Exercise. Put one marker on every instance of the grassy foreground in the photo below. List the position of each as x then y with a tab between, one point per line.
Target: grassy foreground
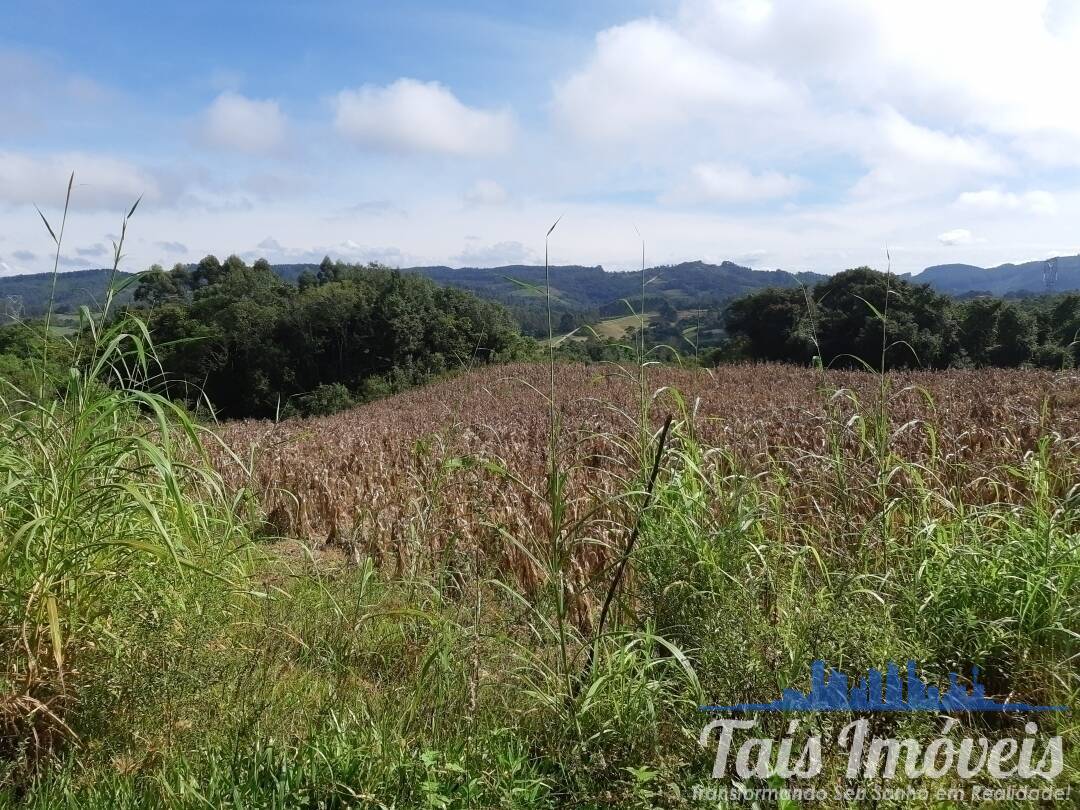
166	645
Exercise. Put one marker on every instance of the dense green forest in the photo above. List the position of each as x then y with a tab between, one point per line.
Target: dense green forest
841	320
254	345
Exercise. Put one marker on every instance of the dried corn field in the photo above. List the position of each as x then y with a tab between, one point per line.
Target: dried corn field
452	623
459	466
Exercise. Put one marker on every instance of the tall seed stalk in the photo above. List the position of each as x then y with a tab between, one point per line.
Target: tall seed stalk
58	241
556	481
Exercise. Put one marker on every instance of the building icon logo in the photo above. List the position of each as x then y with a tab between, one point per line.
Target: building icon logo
830	691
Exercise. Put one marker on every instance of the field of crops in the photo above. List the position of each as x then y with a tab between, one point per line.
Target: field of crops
414	475
448	598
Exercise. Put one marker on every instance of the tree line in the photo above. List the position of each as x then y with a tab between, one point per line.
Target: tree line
255	345
252	344
848	319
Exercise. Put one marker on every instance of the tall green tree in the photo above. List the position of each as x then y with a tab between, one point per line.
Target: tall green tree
768	325
1015	341
854	321
977	329
256	345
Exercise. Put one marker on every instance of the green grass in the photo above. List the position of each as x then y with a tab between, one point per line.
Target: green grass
609	328
342	686
617	328
621	327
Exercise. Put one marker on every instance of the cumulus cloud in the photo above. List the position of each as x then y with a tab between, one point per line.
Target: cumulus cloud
711	182
1004	67
997	200
902	157
100	181
239	124
486	192
957	236
414	116
646	77
921	98
902	137
24	256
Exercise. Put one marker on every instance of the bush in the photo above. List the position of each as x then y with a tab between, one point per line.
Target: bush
1052	357
326	399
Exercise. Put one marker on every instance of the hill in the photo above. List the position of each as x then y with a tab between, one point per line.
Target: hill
581	289
28	296
593	293
1004	279
595	288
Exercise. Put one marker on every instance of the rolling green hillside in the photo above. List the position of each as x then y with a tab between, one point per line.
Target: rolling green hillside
28	296
1003	279
593	292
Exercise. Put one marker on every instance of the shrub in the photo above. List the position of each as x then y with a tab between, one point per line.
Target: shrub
326	399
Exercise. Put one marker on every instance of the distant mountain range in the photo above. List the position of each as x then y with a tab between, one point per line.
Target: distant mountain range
593	288
1028	277
584	288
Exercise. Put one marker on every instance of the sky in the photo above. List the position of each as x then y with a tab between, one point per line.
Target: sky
795	134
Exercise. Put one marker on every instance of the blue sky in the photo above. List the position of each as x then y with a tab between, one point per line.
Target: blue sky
801	134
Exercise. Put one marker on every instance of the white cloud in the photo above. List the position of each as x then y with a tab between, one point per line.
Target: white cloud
1005	66
413	116
958	236
645	78
996	200
239	124
486	192
905	161
932	148
922	98
720	183
100	181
